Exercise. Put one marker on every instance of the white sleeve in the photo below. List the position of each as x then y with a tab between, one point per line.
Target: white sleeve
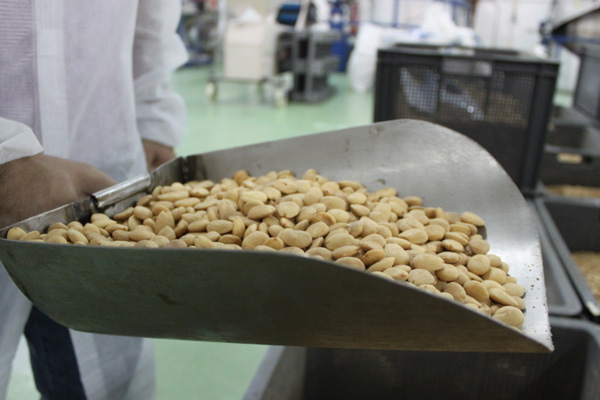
157	52
17	141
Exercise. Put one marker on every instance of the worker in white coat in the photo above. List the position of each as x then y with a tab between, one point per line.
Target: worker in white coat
85	101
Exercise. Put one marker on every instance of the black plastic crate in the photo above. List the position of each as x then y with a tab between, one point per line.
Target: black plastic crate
574	225
587	90
561	296
571	156
571	372
500	98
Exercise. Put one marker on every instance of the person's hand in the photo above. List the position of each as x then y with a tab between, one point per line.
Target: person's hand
157	153
32	185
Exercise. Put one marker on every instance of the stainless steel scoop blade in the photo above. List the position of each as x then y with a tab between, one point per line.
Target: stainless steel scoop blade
255	297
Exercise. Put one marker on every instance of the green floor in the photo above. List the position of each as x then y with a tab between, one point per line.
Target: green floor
216	371
240	116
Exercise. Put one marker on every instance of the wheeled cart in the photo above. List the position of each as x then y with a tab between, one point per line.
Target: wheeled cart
258	54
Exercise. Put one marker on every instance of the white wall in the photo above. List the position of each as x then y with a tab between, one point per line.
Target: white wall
512	24
515	24
264	7
569	71
408	12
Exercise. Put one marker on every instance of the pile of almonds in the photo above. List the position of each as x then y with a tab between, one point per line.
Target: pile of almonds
394	238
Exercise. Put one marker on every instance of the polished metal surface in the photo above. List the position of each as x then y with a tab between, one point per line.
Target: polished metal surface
576	17
122	190
570	372
253	297
577	24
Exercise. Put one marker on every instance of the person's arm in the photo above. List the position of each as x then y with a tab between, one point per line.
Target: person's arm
157	52
31	183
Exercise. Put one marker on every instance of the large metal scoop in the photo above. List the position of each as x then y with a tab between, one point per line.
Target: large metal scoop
254	297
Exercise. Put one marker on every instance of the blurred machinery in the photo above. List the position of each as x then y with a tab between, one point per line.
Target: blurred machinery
202	23
254	52
281	51
575	25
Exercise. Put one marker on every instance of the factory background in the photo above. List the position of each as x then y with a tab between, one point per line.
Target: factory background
521	77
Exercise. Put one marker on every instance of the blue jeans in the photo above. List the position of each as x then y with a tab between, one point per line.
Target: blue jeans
53	361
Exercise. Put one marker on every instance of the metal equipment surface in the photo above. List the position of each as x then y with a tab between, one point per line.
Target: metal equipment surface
573	225
575	24
257	297
570	372
571	155
561	296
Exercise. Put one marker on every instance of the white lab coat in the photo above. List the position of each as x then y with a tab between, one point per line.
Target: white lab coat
86	80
